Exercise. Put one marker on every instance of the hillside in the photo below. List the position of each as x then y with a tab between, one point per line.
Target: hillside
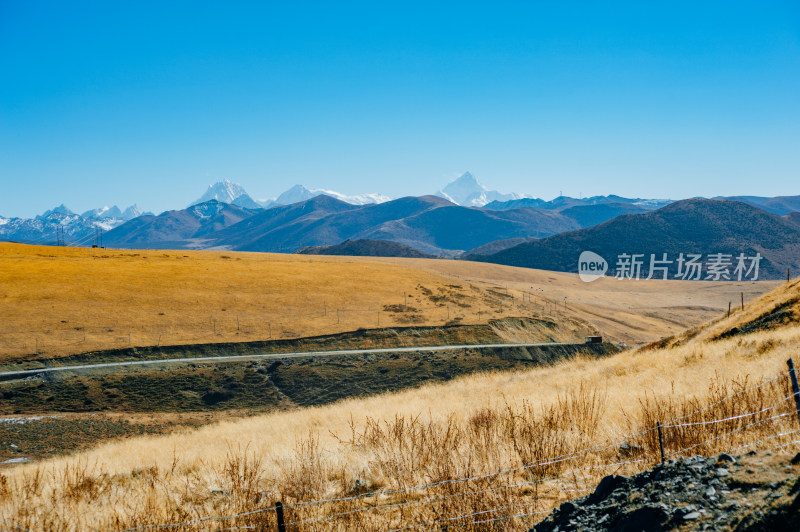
590	215
430	224
508	447
59	301
177	228
690	226
793	218
779	205
366	248
565	202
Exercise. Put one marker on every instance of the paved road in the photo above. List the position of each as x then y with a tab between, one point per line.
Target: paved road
241	358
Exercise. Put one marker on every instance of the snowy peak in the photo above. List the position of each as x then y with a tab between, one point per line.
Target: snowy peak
132	212
103	213
469	192
207	209
61	209
300	193
295	194
225	191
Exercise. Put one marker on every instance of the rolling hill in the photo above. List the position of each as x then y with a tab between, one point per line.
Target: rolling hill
779	205
177	228
793	218
462	445
366	248
430	224
689	227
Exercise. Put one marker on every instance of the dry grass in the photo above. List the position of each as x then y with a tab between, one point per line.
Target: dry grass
472	428
59	301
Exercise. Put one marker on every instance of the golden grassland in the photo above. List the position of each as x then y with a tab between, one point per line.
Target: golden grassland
59	301
471	427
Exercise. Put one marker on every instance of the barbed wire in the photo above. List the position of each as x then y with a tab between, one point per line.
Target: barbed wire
544	462
740	392
460	494
731	418
795	442
15	527
199	520
734	431
772	437
467	516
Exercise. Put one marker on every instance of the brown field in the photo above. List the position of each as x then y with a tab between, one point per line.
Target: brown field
487	438
60	301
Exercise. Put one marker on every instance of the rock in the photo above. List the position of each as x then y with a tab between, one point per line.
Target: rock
688	494
567	507
685	510
607	486
796	459
645	518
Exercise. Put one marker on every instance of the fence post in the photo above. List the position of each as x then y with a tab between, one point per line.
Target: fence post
660	440
279	512
729	309
795	386
742	300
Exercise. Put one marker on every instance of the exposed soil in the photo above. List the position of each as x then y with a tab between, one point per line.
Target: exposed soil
522	329
781	315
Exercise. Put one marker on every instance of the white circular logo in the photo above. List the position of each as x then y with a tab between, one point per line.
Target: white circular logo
591	266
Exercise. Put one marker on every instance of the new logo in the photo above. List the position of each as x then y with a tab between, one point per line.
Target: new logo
591	266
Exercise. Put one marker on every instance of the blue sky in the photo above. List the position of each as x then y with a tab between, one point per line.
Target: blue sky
149	102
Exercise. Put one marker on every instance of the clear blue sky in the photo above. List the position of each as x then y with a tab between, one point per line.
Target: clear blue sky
149	102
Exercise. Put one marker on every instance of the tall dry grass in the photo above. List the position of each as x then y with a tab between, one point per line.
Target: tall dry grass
476	449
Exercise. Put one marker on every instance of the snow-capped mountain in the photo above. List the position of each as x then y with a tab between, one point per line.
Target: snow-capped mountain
233	193
61	209
48	228
227	191
132	212
300	193
103	213
61	223
469	192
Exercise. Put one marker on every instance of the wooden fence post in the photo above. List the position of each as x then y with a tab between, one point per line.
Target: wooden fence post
742	300
279	512
660	440
795	386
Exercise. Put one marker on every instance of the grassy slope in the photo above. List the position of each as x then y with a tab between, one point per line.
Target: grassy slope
472	425
62	301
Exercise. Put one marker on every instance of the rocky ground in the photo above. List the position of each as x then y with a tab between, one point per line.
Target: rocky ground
754	492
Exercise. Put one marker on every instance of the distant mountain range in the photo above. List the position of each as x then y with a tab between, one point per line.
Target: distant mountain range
465	219
467	191
565	202
60	224
177	229
697	226
234	194
429	224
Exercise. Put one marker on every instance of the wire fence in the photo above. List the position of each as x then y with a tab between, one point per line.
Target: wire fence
527	493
